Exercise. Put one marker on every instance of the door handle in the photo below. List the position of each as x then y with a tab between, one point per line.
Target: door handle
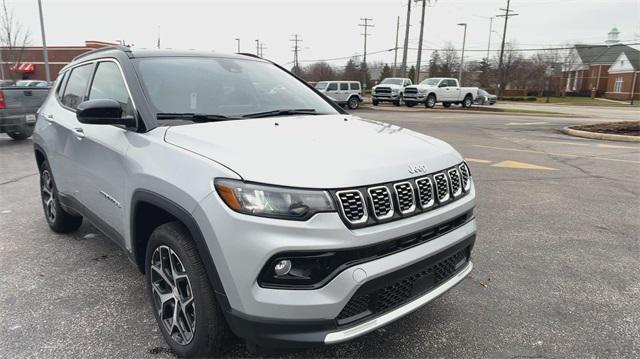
79	132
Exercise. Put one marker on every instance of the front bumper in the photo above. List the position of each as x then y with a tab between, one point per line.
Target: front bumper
385	97
415	97
240	245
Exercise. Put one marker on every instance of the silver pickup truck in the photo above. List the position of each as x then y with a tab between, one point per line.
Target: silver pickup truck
18	107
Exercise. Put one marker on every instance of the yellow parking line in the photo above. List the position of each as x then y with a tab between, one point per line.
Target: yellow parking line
556	154
521	166
476	160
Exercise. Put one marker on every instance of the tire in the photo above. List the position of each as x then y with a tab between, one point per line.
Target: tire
430	102
21	134
467	102
409	103
201	330
59	220
375	102
353	103
446	104
398	101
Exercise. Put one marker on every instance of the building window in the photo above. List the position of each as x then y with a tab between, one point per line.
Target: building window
617	86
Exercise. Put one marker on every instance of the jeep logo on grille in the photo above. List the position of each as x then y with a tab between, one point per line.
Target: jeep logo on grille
415	169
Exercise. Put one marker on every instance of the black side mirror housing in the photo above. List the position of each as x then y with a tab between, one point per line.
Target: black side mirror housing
102	112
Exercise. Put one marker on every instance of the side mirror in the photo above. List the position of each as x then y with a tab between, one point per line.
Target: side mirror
102	112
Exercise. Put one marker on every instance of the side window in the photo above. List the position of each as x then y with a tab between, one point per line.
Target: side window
109	84
332	87
61	83
76	86
355	86
406	83
344	86
452	83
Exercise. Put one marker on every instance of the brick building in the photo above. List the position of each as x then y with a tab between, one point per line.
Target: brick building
28	62
611	70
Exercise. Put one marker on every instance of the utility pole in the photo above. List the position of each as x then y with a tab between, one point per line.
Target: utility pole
501	72
261	48
395	49
45	52
258	48
490	31
296	65
238	41
366	26
403	67
424	5
464	41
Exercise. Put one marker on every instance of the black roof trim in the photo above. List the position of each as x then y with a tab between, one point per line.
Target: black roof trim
125	49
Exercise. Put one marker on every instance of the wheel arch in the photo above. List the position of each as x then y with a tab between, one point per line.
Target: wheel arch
148	211
40	154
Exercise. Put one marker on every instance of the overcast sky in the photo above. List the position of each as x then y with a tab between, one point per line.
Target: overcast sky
328	28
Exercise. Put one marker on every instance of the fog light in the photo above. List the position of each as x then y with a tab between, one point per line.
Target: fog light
283	267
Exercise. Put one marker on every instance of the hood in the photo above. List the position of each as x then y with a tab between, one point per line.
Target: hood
327	151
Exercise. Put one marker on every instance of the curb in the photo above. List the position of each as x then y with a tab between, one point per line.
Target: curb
600	136
471	111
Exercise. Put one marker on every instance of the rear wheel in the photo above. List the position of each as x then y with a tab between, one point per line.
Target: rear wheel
431	101
184	303
467	102
353	103
59	220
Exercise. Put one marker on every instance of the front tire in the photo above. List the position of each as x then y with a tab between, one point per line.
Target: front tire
375	102
409	103
431	101
59	220
446	104
353	103
183	300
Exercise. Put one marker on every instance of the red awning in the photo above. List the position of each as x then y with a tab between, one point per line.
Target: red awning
24	68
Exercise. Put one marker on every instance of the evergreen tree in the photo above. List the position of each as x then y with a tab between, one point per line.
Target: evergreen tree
386	72
351	71
434	64
412	72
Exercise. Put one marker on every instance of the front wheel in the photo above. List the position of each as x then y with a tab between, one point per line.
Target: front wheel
446	104
467	102
183	301
353	103
375	102
409	103
59	220
398	101
430	102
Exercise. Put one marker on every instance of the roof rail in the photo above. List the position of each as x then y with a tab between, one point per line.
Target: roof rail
125	49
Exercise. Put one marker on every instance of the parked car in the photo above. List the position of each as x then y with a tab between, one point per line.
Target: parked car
485	98
32	83
347	93
272	214
445	90
390	89
18	106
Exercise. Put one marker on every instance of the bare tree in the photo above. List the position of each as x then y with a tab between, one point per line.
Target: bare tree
449	60
319	71
13	37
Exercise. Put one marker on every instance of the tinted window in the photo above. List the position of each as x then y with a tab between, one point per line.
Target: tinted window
223	86
322	85
452	83
355	86
344	86
332	87
109	84
76	86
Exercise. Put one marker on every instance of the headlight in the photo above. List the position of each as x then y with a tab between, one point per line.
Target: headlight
272	201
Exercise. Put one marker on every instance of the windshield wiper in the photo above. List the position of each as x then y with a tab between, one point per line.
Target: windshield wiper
195	117
288	112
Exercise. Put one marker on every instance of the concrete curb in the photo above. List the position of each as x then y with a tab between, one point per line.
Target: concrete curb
470	111
600	136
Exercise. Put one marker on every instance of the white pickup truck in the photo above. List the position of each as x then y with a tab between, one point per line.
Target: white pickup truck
437	89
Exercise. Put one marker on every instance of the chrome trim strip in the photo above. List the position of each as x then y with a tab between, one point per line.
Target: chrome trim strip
365	216
413	196
391	211
366	327
460	185
432	201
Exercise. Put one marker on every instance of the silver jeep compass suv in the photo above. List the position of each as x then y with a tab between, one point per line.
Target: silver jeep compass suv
253	204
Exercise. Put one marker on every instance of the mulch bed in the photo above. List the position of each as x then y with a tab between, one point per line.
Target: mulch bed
627	128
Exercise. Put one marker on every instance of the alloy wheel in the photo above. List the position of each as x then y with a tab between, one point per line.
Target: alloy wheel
48	196
172	295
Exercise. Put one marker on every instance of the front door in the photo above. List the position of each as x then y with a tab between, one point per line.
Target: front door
333	91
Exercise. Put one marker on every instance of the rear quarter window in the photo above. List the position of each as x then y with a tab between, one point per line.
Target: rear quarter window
355	86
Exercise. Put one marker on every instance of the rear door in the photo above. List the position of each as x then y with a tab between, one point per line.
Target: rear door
454	90
102	150
343	91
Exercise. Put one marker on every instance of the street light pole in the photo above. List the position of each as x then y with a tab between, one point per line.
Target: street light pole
395	52
417	79
464	41
44	44
238	41
490	31
403	67
257	47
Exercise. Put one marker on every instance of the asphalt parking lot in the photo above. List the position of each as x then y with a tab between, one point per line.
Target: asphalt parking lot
557	269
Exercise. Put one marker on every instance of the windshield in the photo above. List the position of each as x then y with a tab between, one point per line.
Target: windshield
391	82
482	92
321	85
223	86
430	82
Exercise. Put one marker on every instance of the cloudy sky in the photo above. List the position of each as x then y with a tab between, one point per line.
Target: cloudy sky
328	28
